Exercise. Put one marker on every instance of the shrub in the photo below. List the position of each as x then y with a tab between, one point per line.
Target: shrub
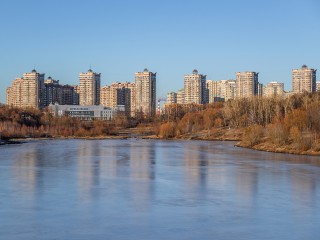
167	130
303	141
213	132
81	133
253	135
306	142
156	129
277	133
218	123
142	128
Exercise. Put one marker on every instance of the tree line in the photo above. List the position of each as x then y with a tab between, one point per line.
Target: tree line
33	123
293	120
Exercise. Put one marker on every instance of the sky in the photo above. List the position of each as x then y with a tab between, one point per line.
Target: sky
172	38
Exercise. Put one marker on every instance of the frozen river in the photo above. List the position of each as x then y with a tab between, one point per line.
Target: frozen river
145	189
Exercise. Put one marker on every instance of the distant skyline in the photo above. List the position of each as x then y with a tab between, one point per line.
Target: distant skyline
118	38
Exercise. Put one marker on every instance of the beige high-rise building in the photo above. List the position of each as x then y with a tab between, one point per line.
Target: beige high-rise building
89	88
274	89
27	91
260	89
132	88
172	97
317	86
246	84
264	91
213	91
180	96
146	92
14	93
195	88
119	94
221	90
105	96
229	90
303	79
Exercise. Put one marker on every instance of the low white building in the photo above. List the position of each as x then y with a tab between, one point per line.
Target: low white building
84	112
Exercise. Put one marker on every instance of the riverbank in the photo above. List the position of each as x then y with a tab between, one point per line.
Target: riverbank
71	137
270	147
222	134
218	135
10	142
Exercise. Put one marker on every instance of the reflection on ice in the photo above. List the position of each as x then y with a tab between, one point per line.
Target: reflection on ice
80	189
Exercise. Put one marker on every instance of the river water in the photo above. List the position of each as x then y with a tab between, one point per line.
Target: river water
153	189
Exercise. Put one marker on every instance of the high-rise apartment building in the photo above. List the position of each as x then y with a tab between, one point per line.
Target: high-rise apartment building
89	88
132	97
195	88
172	97
213	91
119	94
273	89
260	89
146	92
51	87
229	90
105	96
303	79
246	84
14	93
221	90
180	96
76	96
61	94
27	91
318	86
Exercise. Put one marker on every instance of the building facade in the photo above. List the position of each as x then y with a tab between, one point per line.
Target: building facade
260	89
246	84
27	91
61	94
172	97
221	90
89	92
195	88
76	96
213	89
119	94
274	89
180	96
84	112
303	80
229	90
317	86
145	83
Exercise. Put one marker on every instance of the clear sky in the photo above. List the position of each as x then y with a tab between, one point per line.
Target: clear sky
172	38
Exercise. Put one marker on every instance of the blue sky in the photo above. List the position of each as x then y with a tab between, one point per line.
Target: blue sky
171	38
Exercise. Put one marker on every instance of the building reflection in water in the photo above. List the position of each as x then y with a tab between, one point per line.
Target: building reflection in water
26	172
104	165
28	175
88	169
195	164
142	172
247	184
127	167
304	191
